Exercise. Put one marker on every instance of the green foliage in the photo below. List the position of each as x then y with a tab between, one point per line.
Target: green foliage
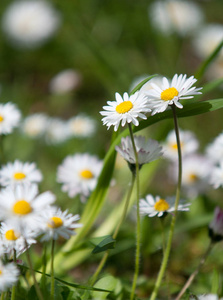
103	244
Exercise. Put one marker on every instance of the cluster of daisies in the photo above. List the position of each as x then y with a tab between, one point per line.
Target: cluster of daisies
26	215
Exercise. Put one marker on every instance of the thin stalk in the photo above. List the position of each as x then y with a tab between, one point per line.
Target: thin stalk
52	271
2	295
194	274
138	235
44	262
105	256
14	287
38	291
173	221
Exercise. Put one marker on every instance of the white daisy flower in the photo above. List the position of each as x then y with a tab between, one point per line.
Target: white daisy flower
35	125
207	39
216	225
215	149
170	16
19	173
9	117
179	88
57	131
22	205
79	174
81	126
216	175
12	239
188	141
207	297
148	150
29	24
195	173
126	109
57	223
65	81
9	275
156	206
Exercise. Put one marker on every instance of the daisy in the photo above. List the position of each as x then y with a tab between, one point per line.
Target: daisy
57	131
216	175
79	173
57	223
171	92
188	141
126	109
156	206
19	173
148	150
182	17
29	24
9	117
12	239
208	297
216	226
22	205
9	275
81	126
35	125
215	149
65	81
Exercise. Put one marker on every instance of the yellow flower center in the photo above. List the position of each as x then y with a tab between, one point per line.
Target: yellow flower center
10	235
169	94
55	222
193	177
0	272
22	207
19	176
86	174
1	118
124	107
174	146
161	205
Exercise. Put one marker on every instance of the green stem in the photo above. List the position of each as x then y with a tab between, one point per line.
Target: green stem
38	291
14	287
194	274
52	271
44	262
2	295
138	235
173	221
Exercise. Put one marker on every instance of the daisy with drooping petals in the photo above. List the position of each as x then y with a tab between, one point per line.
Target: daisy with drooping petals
58	223
148	150
79	174
125	110
9	117
156	206
22	205
170	93
19	173
9	275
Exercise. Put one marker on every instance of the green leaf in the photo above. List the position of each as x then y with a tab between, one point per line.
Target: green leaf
105	243
108	282
138	87
215	282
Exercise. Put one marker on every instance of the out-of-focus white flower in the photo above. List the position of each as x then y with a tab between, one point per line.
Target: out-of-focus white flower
215	149
79	173
216	175
156	206
29	24
188	141
207	297
147	150
8	276
216	226
9	117
22	205
12	239
171	92
81	126
195	174
182	17
19	173
125	110
35	125
207	39
57	131
57	223
65	81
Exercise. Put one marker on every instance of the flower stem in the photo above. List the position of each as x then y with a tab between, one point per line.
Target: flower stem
138	234
38	291
173	221
14	287
44	261
52	270
194	274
